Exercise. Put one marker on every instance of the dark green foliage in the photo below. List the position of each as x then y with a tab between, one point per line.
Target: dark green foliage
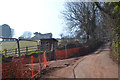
94	44
70	45
116	38
116	48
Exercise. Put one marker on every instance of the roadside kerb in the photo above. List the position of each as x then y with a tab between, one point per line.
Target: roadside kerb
81	59
75	65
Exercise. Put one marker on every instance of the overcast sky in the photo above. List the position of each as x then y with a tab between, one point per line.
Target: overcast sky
32	15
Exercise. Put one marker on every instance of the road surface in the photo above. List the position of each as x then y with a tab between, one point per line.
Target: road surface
97	65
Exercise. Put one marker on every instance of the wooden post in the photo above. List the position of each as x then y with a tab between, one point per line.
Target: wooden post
18	48
6	52
66	51
26	50
16	51
39	63
32	65
38	47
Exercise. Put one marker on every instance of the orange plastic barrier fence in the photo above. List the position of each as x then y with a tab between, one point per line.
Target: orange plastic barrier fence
28	67
32	65
45	60
66	53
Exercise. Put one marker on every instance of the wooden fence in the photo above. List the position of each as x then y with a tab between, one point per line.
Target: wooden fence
23	50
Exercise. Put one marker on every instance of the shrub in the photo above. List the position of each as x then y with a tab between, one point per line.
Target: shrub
94	44
116	48
69	45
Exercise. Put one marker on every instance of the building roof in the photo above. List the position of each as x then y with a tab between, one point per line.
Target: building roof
48	39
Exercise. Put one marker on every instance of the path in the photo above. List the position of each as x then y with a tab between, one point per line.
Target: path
91	66
97	66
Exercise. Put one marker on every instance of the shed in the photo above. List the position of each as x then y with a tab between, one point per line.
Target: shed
49	45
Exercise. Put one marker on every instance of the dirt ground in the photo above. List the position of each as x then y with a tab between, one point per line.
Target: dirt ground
58	65
97	65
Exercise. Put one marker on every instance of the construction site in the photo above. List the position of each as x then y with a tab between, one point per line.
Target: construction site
50	62
65	39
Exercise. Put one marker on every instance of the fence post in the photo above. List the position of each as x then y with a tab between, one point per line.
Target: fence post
38	47
6	52
39	63
26	50
18	44
16	51
32	65
66	52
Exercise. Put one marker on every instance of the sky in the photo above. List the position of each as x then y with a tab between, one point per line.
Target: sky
42	16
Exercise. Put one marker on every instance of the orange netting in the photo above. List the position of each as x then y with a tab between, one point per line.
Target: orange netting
28	67
31	66
66	53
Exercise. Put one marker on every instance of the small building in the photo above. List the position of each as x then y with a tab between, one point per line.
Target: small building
5	31
41	36
49	45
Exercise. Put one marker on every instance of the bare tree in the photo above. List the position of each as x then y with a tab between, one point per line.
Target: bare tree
27	35
81	18
110	18
92	20
12	32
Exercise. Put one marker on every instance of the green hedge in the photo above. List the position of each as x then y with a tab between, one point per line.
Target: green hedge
116	48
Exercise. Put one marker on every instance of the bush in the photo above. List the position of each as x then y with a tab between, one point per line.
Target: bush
70	45
36	52
116	48
3	56
94	44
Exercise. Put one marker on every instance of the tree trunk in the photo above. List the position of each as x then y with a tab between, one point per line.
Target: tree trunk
87	37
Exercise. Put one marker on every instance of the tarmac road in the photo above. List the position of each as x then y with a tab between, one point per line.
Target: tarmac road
91	66
97	66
